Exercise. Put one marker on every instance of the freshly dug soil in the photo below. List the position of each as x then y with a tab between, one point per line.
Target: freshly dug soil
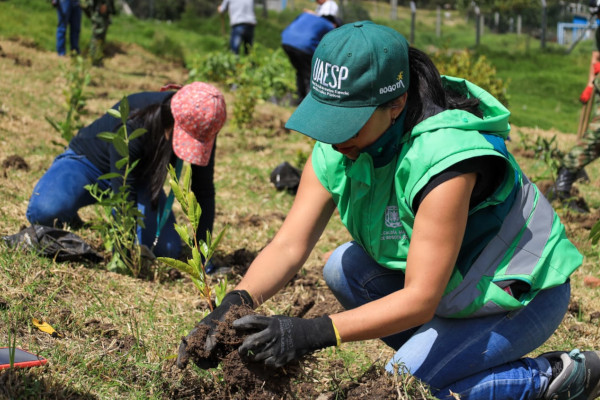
240	379
243	379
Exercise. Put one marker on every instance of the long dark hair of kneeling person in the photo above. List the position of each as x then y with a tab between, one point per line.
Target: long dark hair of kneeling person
158	120
426	94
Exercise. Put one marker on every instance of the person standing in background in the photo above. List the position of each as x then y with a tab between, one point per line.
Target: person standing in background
99	12
327	7
242	21
587	148
69	14
299	41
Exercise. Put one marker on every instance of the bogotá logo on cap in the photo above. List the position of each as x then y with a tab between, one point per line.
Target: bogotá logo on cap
327	78
392	88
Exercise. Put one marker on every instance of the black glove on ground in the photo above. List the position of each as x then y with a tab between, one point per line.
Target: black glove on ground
235	297
282	339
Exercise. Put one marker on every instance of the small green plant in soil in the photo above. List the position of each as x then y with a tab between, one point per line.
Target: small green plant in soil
595	233
545	150
78	78
117	213
202	251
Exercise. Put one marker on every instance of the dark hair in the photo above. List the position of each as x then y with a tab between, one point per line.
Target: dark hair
158	148
426	93
333	19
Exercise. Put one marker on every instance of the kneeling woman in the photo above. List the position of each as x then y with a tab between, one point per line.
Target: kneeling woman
180	125
457	261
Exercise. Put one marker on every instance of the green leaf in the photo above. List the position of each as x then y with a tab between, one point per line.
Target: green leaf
171	172
216	241
134	164
199	283
187	176
178	194
110	175
204	248
122	131
180	265
114	113
106	136
121	146
595	233
53	124
196	256
124	109
193	213
220	290
137	133
122	162
183	233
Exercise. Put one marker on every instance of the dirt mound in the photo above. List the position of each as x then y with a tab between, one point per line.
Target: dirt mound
242	379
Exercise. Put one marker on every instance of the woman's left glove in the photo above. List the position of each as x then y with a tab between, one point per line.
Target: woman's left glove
235	297
282	339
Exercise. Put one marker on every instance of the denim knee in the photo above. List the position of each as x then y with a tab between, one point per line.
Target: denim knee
40	212
45	213
333	272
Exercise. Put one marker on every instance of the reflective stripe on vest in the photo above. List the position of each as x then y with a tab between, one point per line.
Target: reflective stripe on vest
529	222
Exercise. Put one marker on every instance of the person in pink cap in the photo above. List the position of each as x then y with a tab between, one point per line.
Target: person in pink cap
181	125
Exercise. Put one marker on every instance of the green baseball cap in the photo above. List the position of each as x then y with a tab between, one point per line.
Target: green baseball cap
355	68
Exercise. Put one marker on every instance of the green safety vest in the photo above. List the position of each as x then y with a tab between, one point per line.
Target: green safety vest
512	235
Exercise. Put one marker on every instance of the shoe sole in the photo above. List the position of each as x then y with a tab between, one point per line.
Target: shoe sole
596	390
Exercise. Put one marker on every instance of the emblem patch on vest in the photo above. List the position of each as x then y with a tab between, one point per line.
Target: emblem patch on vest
392	220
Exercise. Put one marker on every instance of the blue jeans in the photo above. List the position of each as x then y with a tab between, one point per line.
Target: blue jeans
241	33
60	193
69	14
478	358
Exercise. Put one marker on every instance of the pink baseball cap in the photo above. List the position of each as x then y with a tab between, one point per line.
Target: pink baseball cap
199	113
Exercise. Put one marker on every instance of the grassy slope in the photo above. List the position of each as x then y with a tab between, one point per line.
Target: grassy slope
120	331
543	85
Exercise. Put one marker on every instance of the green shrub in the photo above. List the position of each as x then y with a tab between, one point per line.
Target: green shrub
477	70
218	66
167	47
261	75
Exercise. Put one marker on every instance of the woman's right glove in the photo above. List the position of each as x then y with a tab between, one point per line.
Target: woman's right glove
586	94
235	297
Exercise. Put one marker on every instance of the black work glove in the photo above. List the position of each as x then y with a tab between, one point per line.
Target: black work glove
282	339
235	297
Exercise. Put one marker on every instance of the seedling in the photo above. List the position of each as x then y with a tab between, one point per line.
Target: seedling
77	77
195	266
545	150
118	214
595	233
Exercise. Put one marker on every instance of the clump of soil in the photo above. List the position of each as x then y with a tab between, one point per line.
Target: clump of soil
244	379
16	162
240	379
